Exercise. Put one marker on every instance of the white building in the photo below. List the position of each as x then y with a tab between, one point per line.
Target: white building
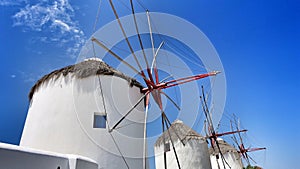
231	156
192	155
71	111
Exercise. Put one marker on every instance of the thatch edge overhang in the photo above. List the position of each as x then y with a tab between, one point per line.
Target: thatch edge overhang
224	146
184	132
82	70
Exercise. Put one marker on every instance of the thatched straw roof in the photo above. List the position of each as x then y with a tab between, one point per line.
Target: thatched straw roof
184	132
84	69
224	146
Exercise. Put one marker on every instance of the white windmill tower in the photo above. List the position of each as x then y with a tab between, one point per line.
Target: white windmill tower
184	147
230	156
72	111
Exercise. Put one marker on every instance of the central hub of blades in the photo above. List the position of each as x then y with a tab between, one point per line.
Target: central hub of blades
155	87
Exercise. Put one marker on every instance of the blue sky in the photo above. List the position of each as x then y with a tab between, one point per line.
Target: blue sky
257	41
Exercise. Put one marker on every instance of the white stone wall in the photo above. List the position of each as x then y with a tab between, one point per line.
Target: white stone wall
232	158
60	119
16	157
194	155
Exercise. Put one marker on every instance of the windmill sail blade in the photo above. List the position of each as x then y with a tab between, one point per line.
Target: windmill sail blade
204	110
234	138
125	36
155	68
139	35
236	144
141	43
255	149
210	126
237	124
151	37
247	158
207	111
241	139
168	97
184	80
155	55
121	60
133	107
230	132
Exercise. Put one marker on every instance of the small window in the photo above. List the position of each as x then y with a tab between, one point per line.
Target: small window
167	147
99	120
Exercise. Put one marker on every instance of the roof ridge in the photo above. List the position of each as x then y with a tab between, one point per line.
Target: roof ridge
84	69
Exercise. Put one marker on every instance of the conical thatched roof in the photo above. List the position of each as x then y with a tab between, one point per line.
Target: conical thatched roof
84	69
184	132
224	146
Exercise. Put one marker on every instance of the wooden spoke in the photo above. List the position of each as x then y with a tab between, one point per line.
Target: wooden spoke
121	60
133	107
173	146
168	97
125	36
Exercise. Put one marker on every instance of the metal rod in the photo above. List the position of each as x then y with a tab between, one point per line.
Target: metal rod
164	140
156	53
145	130
150	31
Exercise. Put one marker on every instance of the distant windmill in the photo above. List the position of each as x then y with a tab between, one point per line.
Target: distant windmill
240	144
212	134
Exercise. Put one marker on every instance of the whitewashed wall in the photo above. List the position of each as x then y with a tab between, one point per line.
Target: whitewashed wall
60	119
16	157
194	155
232	158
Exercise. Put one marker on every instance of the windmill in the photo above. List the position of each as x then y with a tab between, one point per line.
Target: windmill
150	75
242	150
211	133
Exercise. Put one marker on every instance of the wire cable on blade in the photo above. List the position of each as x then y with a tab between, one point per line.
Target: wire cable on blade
125	5
169	43
95	24
119	150
141	4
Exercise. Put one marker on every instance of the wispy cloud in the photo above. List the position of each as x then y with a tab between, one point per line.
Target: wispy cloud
12	2
28	77
56	20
